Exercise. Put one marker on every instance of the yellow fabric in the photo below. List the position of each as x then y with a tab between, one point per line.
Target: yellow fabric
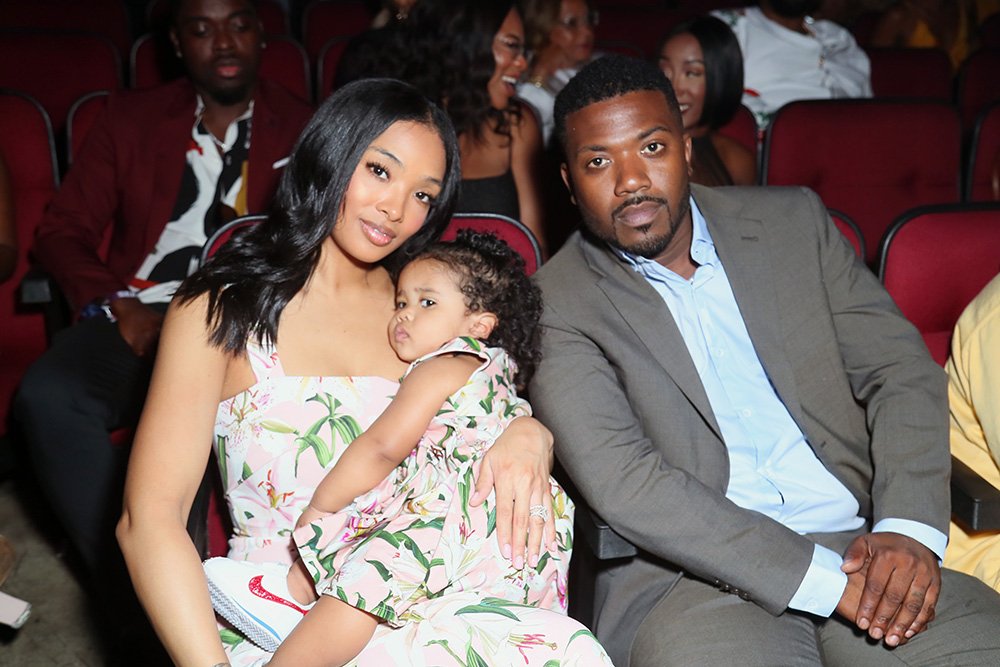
974	402
922	37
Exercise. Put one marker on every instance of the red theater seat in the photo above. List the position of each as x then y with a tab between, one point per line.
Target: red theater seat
58	68
28	150
983	173
871	159
934	260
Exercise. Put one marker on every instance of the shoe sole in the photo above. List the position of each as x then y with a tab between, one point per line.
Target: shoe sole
243	620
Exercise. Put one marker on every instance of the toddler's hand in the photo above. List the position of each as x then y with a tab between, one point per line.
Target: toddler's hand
309	514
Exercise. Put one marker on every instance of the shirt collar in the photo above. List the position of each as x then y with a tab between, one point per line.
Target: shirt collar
702	247
231	135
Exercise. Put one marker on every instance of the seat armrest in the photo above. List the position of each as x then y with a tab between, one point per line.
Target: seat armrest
36	288
38	291
603	541
975	503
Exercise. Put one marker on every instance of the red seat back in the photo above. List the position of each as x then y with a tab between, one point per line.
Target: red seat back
850	230
983	173
225	232
905	72
871	159
978	84
934	260
57	69
28	150
326	66
270	12
323	20
100	17
513	232
82	116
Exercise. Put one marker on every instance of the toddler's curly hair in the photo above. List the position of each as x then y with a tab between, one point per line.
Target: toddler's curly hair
492	278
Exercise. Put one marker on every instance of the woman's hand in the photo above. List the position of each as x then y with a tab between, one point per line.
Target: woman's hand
517	467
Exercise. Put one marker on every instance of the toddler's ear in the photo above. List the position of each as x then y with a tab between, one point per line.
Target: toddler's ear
483	325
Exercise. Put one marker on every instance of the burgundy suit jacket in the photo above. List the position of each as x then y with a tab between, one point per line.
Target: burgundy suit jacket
128	175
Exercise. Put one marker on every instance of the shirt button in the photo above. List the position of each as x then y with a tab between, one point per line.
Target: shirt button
746	413
811	605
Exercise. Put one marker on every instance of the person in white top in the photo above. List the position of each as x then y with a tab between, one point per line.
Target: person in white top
788	56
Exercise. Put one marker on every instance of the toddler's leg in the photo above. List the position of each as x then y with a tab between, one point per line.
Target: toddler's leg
300	584
331	634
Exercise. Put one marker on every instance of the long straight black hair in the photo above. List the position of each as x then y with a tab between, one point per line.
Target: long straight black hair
254	276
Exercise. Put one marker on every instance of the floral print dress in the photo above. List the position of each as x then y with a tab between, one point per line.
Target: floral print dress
412	550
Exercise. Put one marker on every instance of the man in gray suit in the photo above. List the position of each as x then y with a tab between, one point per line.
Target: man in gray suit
735	394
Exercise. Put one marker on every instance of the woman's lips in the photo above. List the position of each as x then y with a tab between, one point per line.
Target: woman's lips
377	235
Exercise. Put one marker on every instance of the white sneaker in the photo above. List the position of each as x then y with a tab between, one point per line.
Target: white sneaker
254	597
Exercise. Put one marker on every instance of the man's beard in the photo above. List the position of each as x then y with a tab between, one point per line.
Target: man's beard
227	97
649	247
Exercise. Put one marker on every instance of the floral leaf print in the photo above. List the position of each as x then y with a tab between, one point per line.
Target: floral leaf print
383	610
220	444
473	659
382	570
247	472
544	558
230	637
443	643
324	453
389	537
581	633
552	663
277	426
491	521
491	606
474	343
433	523
487	402
413	548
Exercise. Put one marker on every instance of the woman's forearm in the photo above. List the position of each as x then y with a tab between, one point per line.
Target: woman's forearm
167	575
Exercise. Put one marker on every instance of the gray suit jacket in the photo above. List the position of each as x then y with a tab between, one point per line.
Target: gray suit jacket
635	431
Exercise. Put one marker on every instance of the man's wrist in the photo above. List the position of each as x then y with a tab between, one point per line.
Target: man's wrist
102	306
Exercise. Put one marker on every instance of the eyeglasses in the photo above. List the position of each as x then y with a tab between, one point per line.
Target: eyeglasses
591	20
515	46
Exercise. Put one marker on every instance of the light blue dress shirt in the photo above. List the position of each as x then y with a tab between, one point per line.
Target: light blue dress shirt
772	469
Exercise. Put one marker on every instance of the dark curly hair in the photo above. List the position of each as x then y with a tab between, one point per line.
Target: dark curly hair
492	278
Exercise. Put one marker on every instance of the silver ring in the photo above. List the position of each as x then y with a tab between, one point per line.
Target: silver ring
541	511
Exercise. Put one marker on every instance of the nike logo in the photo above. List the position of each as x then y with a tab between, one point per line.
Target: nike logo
257	589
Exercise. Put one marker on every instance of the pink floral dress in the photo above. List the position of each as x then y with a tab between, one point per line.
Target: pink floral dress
412	550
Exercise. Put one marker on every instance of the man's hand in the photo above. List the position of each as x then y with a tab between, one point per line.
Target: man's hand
893	583
138	324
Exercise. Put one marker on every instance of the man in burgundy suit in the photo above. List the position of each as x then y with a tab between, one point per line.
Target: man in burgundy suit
162	169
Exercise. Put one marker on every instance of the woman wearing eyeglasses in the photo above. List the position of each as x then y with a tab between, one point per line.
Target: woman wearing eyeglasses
469	55
561	39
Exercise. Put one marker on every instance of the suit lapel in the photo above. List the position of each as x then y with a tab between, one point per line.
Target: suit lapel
643	311
170	147
749	259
